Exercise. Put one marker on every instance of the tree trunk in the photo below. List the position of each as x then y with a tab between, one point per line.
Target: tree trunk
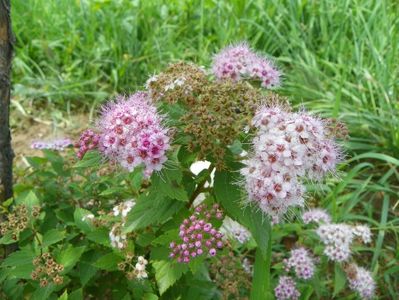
6	153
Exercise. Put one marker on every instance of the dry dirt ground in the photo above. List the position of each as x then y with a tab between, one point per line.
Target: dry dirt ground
25	130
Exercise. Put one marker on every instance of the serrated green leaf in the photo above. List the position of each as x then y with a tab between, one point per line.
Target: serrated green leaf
100	236
79	215
149	210
29	199
91	159
168	183
53	236
167	273
108	262
70	256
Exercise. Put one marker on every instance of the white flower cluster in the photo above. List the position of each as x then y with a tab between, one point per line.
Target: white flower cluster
123	208
287	148
118	240
362	282
235	230
363	232
139	269
316	215
337	239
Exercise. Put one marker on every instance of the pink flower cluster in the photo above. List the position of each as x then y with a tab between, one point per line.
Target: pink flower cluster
198	236
240	62
58	145
88	141
132	133
287	148
362	282
337	239
302	263
316	215
286	289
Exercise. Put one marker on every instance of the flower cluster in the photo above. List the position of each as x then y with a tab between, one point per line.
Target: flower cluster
221	112
131	133
88	141
179	82
240	62
123	208
286	289
235	230
230	276
198	235
58	145
117	238
288	148
18	220
302	263
316	215
47	269
363	232
137	271
361	281
337	239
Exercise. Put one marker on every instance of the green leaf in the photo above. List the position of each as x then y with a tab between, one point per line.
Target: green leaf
30	199
79	215
64	296
91	158
229	195
43	292
151	210
168	183
167	273
339	279
70	256
7	239
53	236
76	295
100	236
108	262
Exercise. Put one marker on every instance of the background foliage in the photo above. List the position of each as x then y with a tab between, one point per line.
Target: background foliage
340	59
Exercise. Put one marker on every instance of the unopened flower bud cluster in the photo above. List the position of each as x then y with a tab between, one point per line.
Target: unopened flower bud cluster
88	141
47	270
198	236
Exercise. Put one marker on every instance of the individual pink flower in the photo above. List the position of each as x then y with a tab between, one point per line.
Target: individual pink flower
132	133
240	62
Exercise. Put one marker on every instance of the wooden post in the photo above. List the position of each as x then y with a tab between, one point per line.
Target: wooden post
6	50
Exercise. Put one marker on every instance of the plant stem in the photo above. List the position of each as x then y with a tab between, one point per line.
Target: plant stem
261	278
200	187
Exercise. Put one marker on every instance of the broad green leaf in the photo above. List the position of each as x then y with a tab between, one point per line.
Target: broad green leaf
30	199
64	295
100	236
81	220
151	210
229	195
70	256
108	262
76	295
52	236
167	273
168	183
91	159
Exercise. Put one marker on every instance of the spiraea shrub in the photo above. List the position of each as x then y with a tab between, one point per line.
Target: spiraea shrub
195	187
